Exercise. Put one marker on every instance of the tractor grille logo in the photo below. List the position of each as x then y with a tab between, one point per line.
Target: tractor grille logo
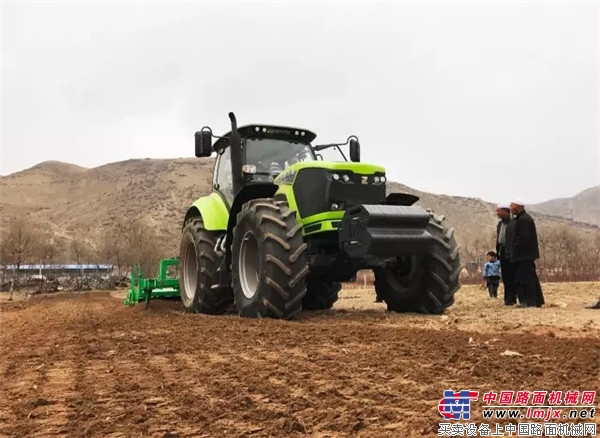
277	131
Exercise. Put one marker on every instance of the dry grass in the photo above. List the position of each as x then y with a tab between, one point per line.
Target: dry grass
70	199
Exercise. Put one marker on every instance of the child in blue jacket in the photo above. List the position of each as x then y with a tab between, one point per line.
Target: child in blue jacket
491	274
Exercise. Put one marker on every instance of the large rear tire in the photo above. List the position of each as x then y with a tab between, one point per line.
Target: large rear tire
425	284
268	262
321	295
197	272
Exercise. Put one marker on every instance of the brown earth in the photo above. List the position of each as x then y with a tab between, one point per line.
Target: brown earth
83	365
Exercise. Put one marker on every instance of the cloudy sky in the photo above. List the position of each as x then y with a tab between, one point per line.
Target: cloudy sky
484	99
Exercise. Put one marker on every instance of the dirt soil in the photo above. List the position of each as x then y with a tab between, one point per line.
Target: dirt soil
83	364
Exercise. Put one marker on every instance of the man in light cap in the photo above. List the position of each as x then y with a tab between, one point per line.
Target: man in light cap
524	253
504	233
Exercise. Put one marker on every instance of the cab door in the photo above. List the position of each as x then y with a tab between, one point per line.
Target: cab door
223	179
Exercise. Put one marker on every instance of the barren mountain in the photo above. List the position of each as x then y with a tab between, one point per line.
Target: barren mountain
69	199
583	207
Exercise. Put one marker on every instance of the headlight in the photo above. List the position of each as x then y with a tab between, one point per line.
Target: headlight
249	168
346	178
382	179
335	176
376	180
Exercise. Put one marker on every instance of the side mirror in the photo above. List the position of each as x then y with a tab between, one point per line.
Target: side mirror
354	150
203	140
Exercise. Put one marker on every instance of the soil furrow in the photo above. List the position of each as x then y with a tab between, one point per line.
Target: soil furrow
84	365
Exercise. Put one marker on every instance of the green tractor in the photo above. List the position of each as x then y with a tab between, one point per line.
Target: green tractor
283	228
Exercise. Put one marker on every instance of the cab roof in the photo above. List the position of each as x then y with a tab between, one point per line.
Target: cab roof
268	131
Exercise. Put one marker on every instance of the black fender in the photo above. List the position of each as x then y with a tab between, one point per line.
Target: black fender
401	199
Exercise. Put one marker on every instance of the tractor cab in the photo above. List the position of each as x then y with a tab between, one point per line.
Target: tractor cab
264	151
261	152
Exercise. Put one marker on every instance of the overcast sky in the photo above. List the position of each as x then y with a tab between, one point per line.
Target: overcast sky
484	99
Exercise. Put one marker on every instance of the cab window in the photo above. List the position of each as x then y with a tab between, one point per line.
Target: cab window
224	178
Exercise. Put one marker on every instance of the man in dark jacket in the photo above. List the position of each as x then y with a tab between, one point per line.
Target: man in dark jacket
524	253
504	233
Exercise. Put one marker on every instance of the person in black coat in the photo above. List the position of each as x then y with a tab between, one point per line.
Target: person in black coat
504	233
524	253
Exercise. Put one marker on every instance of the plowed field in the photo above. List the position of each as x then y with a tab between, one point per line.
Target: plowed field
83	364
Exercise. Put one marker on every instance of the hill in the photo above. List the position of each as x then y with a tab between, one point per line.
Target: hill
583	207
75	201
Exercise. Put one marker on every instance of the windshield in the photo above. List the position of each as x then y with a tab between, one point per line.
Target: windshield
332	154
272	156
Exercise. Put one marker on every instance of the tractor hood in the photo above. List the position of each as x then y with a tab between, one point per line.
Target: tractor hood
322	186
362	168
334	167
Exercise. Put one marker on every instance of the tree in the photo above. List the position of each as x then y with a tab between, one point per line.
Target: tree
4	259
79	251
50	248
109	249
566	253
21	244
138	243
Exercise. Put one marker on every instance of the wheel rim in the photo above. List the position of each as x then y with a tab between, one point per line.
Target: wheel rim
404	273
190	272
249	264
406	266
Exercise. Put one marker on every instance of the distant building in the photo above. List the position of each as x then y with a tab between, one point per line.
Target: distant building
60	270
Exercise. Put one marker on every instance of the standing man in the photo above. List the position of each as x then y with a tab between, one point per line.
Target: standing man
504	234
524	253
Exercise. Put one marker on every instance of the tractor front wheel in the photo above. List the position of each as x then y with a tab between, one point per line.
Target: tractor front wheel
268	262
198	265
423	284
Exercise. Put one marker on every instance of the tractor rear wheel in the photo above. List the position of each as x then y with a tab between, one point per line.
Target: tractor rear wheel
268	261
197	273
321	295
425	284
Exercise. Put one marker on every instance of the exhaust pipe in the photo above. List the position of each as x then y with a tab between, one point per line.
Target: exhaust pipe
385	230
236	155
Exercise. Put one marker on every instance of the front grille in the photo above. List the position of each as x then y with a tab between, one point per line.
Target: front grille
351	193
315	191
